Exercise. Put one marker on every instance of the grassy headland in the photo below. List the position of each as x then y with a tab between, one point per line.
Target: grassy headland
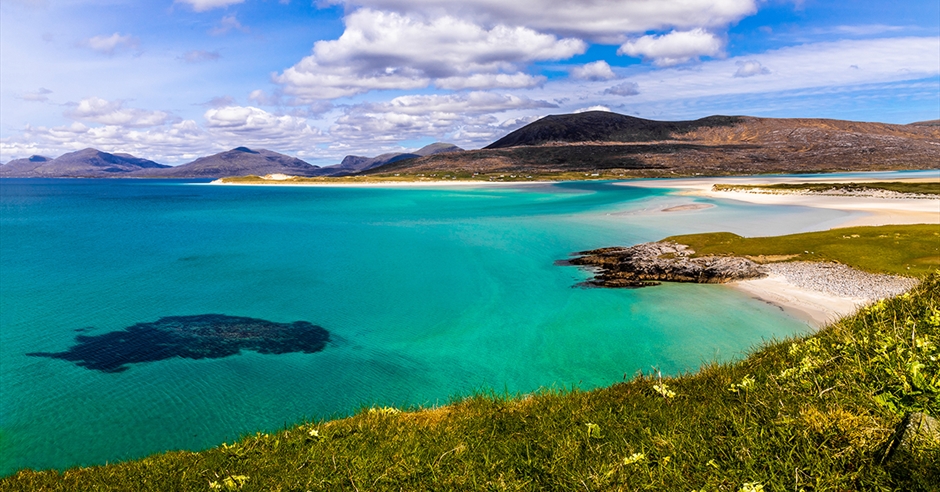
916	188
912	250
815	413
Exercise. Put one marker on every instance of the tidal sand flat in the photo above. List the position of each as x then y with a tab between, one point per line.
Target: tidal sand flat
878	210
426	294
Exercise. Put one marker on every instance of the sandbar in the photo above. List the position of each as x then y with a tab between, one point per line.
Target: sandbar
879	210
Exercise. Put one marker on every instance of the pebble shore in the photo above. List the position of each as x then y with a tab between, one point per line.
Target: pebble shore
841	280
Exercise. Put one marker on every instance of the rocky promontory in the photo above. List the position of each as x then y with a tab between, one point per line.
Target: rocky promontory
648	264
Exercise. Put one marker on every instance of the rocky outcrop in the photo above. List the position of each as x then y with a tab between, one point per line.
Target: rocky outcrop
647	264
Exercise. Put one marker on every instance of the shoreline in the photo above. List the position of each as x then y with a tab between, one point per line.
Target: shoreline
815	307
879	210
388	184
821	293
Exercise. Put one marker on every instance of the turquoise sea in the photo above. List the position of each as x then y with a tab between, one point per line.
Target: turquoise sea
427	294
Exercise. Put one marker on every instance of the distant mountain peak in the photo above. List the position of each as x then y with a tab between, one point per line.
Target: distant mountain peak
85	163
240	161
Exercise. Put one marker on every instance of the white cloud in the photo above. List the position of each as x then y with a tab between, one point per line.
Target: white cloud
199	56
39	95
406	117
598	70
489	80
471	103
98	110
109	44
674	48
228	23
251	125
624	89
597	107
600	20
818	68
203	5
383	50
750	68
174	143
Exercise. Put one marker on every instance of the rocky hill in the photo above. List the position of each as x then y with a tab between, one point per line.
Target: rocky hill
87	163
603	126
715	145
240	161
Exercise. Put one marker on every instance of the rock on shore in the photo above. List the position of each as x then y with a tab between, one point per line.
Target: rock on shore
649	263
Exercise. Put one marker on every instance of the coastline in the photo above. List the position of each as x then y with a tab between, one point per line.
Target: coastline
389	184
881	211
816	307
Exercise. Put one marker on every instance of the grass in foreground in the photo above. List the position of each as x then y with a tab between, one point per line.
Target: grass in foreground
810	414
925	188
912	250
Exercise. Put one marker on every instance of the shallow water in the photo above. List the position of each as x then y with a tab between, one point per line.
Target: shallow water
427	294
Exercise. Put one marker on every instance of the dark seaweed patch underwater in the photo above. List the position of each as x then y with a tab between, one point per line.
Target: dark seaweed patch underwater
204	336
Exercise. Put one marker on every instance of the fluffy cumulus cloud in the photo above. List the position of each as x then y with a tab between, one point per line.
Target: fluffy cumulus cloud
248	118
598	70
607	21
111	44
387	50
674	48
98	110
203	5
750	68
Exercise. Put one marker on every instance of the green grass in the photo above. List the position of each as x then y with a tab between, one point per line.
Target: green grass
809	414
924	188
899	249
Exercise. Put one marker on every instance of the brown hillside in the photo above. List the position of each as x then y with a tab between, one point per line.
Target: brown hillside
750	145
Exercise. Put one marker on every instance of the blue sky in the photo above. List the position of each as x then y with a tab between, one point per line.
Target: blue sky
175	80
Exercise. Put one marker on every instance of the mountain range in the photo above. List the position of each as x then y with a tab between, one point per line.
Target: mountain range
588	141
83	163
716	145
240	161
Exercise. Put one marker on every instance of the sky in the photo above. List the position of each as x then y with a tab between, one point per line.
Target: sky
173	80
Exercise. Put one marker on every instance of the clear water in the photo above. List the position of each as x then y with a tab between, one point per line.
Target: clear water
428	294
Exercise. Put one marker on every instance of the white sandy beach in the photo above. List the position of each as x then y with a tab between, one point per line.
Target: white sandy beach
881	211
814	306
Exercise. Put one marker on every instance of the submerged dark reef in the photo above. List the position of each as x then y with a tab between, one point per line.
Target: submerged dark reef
204	336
